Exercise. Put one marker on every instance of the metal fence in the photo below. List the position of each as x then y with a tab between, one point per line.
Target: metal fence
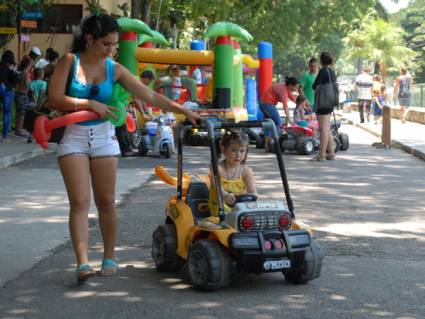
418	95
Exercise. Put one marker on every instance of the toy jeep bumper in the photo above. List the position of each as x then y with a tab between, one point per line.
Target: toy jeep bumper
268	251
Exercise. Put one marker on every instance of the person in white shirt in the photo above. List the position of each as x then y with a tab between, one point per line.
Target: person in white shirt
364	93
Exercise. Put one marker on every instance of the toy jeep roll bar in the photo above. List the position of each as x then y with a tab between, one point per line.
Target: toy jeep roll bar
209	127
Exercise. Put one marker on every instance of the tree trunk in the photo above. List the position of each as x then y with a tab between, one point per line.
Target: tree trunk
146	11
134	9
359	65
376	68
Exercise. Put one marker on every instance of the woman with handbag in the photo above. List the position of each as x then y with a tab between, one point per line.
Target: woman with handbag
88	152
326	98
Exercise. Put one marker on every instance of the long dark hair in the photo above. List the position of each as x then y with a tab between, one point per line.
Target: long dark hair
8	58
97	25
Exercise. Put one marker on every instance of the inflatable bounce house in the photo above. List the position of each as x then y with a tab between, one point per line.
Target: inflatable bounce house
224	92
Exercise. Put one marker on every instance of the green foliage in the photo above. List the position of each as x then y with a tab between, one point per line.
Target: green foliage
412	20
379	42
298	29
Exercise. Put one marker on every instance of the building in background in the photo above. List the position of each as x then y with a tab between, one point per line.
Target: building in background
56	28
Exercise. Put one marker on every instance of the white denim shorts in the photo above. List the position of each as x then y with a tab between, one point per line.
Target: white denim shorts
95	141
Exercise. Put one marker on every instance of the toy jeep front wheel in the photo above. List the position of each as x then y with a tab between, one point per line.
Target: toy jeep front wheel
307	267
208	265
164	249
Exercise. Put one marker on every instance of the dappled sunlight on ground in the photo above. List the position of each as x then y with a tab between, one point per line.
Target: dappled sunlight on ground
402	230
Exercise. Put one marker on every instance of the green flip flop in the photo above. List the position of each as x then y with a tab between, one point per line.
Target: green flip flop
109	267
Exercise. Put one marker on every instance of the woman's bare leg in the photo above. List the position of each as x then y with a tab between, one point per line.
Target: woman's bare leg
103	173
76	175
324	128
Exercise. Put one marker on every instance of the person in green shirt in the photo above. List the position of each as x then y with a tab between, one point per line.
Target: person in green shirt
307	80
38	86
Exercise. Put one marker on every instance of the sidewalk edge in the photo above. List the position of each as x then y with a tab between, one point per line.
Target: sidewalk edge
23	156
407	148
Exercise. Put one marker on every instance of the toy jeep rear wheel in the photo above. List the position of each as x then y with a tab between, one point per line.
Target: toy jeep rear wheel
345	141
306	266
168	150
164	249
143	148
337	144
305	145
208	265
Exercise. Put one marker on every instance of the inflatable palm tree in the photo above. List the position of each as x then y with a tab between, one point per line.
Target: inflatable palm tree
223	61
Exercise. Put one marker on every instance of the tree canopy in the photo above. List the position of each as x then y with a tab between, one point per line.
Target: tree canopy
412	20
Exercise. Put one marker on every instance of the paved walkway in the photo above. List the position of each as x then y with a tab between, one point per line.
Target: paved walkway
409	136
34	205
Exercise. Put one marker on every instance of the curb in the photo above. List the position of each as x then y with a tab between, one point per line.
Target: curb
9	160
408	149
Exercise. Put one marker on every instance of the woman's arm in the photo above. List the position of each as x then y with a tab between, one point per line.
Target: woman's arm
249	180
57	96
141	91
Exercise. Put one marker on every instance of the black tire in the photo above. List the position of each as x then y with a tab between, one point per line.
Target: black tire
259	141
337	144
164	249
305	145
143	148
209	266
344	140
135	139
306	266
271	146
168	150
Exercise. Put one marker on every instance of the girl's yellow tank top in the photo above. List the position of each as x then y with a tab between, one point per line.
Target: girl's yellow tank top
235	186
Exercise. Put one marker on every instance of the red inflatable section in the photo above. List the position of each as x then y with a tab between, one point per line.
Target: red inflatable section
43	126
265	73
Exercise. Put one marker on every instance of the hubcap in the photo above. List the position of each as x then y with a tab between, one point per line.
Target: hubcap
309	146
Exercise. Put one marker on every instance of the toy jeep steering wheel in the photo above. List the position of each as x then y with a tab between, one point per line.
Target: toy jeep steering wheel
248	197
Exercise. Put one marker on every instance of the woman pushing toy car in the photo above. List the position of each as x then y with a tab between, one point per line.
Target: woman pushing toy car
89	150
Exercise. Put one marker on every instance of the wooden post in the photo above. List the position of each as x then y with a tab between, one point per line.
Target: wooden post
386	128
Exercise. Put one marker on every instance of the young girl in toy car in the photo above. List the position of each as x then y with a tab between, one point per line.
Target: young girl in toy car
236	178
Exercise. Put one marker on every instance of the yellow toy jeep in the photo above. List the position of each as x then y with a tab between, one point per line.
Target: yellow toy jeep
255	237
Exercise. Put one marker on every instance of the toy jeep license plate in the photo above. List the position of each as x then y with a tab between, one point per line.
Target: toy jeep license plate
277	264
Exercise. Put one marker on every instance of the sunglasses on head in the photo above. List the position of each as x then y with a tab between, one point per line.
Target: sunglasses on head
94	90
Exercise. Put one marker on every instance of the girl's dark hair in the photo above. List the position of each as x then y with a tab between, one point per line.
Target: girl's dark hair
291	81
25	62
38	73
8	58
300	99
326	58
235	137
97	25
53	55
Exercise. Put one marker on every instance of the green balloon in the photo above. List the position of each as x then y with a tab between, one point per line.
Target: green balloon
119	100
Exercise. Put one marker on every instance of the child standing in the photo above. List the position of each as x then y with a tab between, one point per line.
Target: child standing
379	103
176	83
38	86
236	177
